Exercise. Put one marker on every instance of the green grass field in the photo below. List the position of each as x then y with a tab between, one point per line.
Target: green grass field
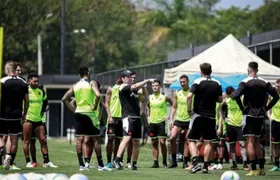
63	155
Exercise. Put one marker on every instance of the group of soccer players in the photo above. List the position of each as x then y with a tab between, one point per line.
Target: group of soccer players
23	105
202	113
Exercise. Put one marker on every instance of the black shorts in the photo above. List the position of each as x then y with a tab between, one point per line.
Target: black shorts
10	127
132	127
275	132
202	127
158	130
252	126
84	126
234	133
115	129
35	125
181	124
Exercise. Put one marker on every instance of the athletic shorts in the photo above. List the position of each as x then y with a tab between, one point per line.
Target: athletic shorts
252	126
181	124
84	126
132	127
10	127
234	134
202	127
158	130
115	129
275	132
34	126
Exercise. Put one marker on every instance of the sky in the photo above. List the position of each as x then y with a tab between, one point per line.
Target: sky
240	3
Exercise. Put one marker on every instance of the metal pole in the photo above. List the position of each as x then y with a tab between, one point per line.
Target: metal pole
62	120
270	53
255	50
39	55
62	44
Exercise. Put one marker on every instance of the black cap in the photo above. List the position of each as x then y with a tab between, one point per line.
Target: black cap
126	73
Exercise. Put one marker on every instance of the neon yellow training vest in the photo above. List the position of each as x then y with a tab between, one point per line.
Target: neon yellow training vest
158	108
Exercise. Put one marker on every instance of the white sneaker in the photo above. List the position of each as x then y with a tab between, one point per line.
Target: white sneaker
128	165
49	164
214	167
82	168
6	162
89	166
220	166
29	165
104	168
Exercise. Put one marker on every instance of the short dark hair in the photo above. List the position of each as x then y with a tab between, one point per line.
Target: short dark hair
278	81
133	73
206	68
32	75
253	65
229	90
184	76
83	71
157	81
18	64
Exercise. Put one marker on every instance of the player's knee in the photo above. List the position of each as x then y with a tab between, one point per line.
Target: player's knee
43	140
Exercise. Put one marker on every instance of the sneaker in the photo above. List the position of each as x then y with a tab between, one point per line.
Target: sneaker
83	168
220	166
155	166
118	165
133	167
214	167
275	168
172	165
88	165
234	167
49	164
6	162
29	165
109	165
34	164
14	167
104	168
261	172
128	165
253	173
196	168
246	168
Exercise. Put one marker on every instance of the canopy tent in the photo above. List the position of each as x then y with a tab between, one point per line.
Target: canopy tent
232	80
227	57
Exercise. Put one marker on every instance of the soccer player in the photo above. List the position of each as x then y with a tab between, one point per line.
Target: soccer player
254	90
33	122
130	117
14	93
113	109
157	117
234	128
180	122
274	116
87	98
206	91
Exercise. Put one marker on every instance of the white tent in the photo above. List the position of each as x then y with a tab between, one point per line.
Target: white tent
227	57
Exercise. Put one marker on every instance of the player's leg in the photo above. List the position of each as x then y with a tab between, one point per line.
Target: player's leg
118	136
186	149
241	141
154	137
275	139
175	131
136	131
110	143
27	128
129	154
162	135
33	150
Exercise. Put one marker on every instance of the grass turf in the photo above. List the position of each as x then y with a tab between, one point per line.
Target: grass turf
63	155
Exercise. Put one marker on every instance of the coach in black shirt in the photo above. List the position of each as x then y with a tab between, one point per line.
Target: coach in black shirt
206	91
255	91
14	92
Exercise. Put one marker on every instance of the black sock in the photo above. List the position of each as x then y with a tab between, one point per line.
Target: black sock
27	159
186	159
1	162
134	163
195	160
216	161
87	160
234	163
221	160
3	151
109	157
34	159
253	164
100	161
156	162
173	156
205	166
276	161
118	159
80	159
13	156
262	161
164	162
128	160
46	158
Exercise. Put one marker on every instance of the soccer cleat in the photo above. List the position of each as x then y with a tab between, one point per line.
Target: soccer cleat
220	166
155	166
253	173
189	167
261	172
49	164
133	167
104	168
34	164
14	167
214	167
246	168
88	165
275	168
118	165
82	168
128	165
109	165
6	162
196	168
172	165
29	165
205	171
234	167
